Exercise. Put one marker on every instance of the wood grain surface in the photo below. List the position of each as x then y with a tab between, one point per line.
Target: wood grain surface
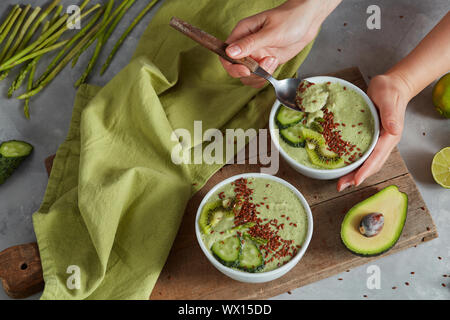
189	275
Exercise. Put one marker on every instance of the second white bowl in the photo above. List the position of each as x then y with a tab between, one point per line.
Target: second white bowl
326	174
261	276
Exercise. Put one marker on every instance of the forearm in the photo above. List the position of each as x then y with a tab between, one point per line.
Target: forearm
427	62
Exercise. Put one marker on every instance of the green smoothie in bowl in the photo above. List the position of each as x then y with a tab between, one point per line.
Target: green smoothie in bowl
335	129
254	225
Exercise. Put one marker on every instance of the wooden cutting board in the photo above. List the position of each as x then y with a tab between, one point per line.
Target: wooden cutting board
189	275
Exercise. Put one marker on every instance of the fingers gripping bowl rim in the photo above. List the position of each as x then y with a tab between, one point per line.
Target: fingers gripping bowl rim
326	174
262	276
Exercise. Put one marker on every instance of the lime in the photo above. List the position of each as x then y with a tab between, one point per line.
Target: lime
441	96
440	167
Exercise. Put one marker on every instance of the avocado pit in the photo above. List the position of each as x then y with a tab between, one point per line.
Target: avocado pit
371	224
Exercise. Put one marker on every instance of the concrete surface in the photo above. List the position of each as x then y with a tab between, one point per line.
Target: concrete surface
403	24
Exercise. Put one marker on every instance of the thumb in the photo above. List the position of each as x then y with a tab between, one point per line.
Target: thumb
247	45
392	118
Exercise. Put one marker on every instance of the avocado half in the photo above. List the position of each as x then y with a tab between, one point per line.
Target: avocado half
393	204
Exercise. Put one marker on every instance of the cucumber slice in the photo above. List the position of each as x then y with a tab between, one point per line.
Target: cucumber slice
293	136
287	117
227	251
12	154
250	259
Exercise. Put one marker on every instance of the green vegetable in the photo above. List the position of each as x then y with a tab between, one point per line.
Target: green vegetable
36	25
38	53
227	251
126	33
98	48
44	40
250	259
74	39
293	136
23	30
25	69
12	154
61	65
38	44
26	108
56	15
15	14
100	32
8	18
19	17
287	117
114	25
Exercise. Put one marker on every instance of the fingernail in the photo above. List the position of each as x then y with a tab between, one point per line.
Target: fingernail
269	62
233	50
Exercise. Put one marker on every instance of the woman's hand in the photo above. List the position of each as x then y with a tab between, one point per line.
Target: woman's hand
275	36
390	93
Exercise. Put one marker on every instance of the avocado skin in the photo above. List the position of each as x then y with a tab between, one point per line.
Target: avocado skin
399	233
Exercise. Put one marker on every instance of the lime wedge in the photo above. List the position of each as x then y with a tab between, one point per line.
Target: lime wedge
440	167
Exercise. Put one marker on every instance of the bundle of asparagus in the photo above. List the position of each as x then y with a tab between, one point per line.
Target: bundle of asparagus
21	24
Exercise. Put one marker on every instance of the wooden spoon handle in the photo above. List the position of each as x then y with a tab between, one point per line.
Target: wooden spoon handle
210	42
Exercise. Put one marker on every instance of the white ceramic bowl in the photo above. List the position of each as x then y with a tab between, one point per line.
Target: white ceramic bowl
262	276
327	174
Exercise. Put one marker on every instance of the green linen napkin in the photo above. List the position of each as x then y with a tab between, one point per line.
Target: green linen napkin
115	199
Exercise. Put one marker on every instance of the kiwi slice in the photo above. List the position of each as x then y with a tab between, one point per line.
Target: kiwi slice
316	126
312	137
320	156
212	214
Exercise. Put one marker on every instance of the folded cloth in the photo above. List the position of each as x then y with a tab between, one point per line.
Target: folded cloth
115	199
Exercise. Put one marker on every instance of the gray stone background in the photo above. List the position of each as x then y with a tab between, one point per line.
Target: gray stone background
404	23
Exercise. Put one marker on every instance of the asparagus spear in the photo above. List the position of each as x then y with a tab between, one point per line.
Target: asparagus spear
126	33
57	34
62	64
11	22
26	107
37	23
37	53
43	40
25	69
69	45
24	29
8	18
118	19
104	26
98	48
56	15
8	43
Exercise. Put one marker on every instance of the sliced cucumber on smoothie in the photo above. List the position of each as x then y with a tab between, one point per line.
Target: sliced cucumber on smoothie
250	259
293	136
227	251
287	117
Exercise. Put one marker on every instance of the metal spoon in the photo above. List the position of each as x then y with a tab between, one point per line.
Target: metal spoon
285	90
